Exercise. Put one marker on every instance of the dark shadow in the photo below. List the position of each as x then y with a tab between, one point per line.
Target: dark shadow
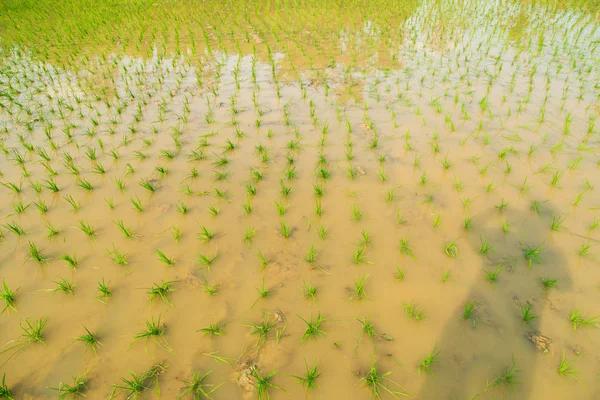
476	351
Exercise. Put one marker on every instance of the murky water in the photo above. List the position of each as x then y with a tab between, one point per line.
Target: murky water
422	176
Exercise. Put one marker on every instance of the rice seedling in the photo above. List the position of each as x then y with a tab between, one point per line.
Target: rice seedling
405	248
262	329
378	383
205	235
103	292
70	260
197	388
264	261
148	185
161	291
413	311
356	213
212	210
213	330
74	204
8	296
532	254
51	185
63	285
548	283
469	311
492	276
72	391
427	363
509	377
450	249
117	257
285	230
15	228
359	292
90	339
584	249
207	261
140	382
309	379
34	253
578	319
313	327
248	235
87	229
85	184
5	392
124	230
33	332
526	315
263	383
566	369
155	330
137	204
52	231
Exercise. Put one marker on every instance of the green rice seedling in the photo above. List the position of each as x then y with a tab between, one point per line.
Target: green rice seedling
366	238
595	223
526	314
125	230
556	177
548	283
51	185
20	208
41	206
15	228
205	235
248	235
212	210
137	204
247	207
52	231
5	392
250	189
162	171
557	223
446	276
146	184
578	319
313	327
535	206
181	208
264	261
262	329
492	276
566	369
428	362
36	186
367	328
450	249
9	297
285	230
75	390
290	173
413	311
87	229
161	291
140	382
485	247
281	209
155	330
309	380
285	190
436	220
311	255
117	257
104	291
584	249
469	311
63	285
85	184
399	275
509	377
405	248
309	291
502	205
263	383
356	213
212	330
71	260
323	173
532	254
318	190
221	194
74	204
34	332
109	202
120	185
90	339
197	388
357	256
359	288
378	383
263	293
176	233
13	187
35	253
505	226
206	260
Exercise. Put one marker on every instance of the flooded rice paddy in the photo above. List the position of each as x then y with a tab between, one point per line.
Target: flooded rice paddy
300	199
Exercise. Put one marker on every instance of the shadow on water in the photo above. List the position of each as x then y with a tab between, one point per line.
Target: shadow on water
477	352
